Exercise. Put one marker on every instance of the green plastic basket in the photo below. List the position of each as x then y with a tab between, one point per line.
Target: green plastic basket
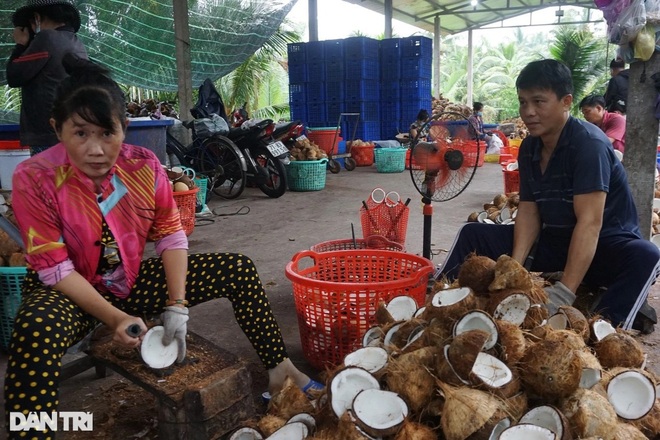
306	175
11	280
390	160
202	183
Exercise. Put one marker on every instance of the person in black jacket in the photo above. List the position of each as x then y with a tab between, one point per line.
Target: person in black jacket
44	31
616	94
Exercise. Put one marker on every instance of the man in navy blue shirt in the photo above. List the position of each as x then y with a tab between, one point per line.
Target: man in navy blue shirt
576	212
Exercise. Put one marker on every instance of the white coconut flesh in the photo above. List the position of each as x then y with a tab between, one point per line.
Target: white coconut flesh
631	394
379	410
602	328
547	417
371	359
498	428
558	321
513	308
373	337
346	385
290	431
452	367
305	418
590	377
419	311
387	340
246	434
478	320
527	432
492	371
402	308
450	296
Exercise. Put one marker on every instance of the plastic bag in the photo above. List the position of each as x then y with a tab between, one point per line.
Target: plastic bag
494	145
612	10
645	43
207	127
628	24
652	12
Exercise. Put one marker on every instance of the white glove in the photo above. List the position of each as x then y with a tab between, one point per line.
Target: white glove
558	295
174	321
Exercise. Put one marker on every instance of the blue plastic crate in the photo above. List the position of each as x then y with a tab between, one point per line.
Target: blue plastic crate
361	69
390	45
297	52
333	50
390	70
388	130
297	72
416	46
362	90
416	68
390	111
297	92
334	71
368	130
360	48
316	91
369	110
332	112
316	116
390	90
315	51
334	91
316	71
298	111
412	90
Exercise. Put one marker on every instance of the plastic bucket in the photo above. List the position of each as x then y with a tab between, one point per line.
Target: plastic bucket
323	137
9	160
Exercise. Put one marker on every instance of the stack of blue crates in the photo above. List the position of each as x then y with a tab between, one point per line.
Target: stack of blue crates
387	82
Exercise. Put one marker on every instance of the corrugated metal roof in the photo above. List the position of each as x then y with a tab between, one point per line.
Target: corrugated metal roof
460	15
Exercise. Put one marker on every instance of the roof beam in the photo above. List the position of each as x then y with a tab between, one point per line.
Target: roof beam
466	8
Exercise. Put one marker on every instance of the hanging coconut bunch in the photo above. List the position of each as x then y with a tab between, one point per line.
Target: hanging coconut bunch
503	209
480	360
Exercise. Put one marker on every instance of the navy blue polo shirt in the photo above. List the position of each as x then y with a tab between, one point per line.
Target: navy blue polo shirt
582	162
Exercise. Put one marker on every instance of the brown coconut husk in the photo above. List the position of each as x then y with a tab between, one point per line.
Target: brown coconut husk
568	337
382	315
448	314
626	431
536	315
473	217
515	406
400	337
589	414
551	370
576	321
466	411
289	401
445	371
477	272
269	423
410	376
512	342
437	333
619	350
505	391
486	431
537	294
499	199
463	351
509	274
650	423
347	430
415	431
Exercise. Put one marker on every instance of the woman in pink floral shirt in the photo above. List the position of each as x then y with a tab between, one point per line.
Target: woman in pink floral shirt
86	209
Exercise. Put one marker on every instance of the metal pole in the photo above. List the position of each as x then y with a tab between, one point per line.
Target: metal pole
470	74
436	56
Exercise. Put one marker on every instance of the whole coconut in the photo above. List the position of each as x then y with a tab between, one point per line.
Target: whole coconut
477	272
415	431
509	274
590	414
551	370
619	350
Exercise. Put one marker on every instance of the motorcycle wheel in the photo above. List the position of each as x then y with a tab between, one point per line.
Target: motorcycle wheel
334	166
220	162
275	185
350	164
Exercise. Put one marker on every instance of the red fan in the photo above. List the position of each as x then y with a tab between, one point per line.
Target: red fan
443	164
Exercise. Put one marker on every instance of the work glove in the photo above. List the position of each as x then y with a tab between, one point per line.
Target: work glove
174	321
558	295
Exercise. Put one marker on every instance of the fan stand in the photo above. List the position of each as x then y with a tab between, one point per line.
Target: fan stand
427	212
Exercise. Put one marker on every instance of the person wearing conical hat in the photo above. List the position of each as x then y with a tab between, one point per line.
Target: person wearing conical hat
44	31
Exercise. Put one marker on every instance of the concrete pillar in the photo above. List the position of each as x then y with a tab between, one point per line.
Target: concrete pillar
183	61
313	20
470	74
642	138
388	18
436	56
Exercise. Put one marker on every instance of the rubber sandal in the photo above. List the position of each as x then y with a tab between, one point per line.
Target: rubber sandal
312	385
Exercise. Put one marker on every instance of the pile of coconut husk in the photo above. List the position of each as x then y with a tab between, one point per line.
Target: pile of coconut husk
520	131
452	111
501	210
150	108
481	360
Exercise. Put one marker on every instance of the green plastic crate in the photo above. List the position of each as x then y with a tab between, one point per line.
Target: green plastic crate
390	160
306	175
11	281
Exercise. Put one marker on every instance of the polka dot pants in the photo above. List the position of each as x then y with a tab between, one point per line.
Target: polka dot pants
48	323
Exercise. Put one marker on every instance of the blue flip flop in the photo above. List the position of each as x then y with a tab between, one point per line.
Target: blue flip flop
312	385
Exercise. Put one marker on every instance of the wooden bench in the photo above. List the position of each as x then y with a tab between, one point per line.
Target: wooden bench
200	400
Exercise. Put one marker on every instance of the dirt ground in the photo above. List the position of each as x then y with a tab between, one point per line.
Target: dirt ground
271	233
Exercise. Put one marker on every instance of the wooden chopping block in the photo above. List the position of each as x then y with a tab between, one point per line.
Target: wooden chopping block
206	397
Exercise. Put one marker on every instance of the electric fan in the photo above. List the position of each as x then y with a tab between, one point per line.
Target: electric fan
443	164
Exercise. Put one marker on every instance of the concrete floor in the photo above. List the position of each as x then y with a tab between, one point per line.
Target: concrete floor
276	229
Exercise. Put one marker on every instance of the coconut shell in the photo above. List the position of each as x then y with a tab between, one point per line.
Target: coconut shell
509	274
504	392
576	321
496	298
619	350
650	423
466	411
347	430
512	342
409	377
589	414
269	423
448	314
513	201
446	373
382	315
477	272
289	401
415	431
463	351
494	216
437	333
626	431
551	370
536	315
400	337
473	217
568	337
499	199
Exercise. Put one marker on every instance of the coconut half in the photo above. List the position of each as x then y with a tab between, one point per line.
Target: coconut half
402	308
491	371
372	359
419	312
513	308
246	434
346	384
631	394
373	337
619	350
478	320
549	417
379	412
291	431
499	428
592	371
527	432
305	418
450	297
600	329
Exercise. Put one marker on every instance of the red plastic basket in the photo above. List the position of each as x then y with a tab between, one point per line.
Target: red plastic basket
337	296
511	181
363	155
470	151
186	201
408	162
374	242
386	221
